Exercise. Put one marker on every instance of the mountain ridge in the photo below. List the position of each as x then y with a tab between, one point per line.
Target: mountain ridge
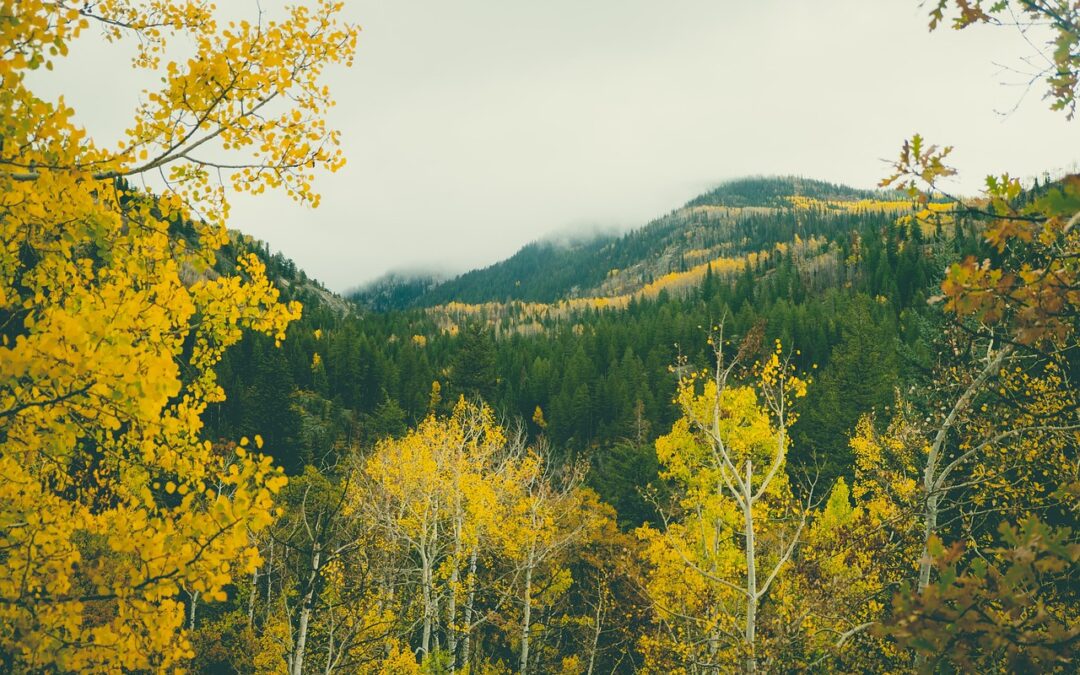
707	227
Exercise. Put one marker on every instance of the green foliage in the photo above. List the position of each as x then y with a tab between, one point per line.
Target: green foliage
627	476
860	377
762	191
474	370
601	376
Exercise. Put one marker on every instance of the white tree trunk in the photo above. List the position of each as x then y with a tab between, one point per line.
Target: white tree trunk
526	616
751	572
931	518
451	610
252	596
191	614
467	638
598	619
426	582
330	645
269	578
305	614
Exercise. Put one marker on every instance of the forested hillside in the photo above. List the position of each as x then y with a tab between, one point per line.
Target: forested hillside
845	289
790	426
688	237
842	281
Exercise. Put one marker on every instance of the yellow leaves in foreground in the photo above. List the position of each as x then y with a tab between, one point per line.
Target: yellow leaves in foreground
113	320
741	571
738	522
456	490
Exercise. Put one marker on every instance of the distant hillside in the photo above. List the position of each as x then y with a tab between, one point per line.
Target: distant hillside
394	290
586	331
736	220
539	272
293	282
771	191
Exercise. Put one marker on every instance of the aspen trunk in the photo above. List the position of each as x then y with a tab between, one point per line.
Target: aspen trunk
751	573
526	617
597	624
252	596
925	564
435	597
305	615
425	637
931	517
451	612
269	578
330	647
191	614
467	638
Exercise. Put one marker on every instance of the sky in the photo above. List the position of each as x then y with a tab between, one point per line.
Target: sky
473	127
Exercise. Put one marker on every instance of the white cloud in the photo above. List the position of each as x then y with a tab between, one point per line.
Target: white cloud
474	126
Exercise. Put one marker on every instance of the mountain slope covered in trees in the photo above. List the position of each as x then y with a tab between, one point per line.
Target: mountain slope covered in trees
836	277
730	219
842	281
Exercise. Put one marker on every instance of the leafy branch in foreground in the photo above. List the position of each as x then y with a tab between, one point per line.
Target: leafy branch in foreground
112	505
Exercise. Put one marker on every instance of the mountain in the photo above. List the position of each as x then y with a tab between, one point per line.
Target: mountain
292	282
587	331
775	191
395	290
541	271
721	228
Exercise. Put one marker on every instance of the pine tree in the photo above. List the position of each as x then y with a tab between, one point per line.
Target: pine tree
474	372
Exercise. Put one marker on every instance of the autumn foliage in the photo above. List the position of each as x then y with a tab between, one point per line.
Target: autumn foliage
110	500
945	538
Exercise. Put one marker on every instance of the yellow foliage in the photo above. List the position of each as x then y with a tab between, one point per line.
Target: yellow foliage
838	511
726	453
109	500
802	203
886	471
455	488
524	313
441	462
400	662
571	665
270	658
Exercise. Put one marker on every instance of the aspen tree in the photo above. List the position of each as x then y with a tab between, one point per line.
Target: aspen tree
112	325
740	525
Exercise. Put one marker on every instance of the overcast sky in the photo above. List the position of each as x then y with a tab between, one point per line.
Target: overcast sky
475	126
